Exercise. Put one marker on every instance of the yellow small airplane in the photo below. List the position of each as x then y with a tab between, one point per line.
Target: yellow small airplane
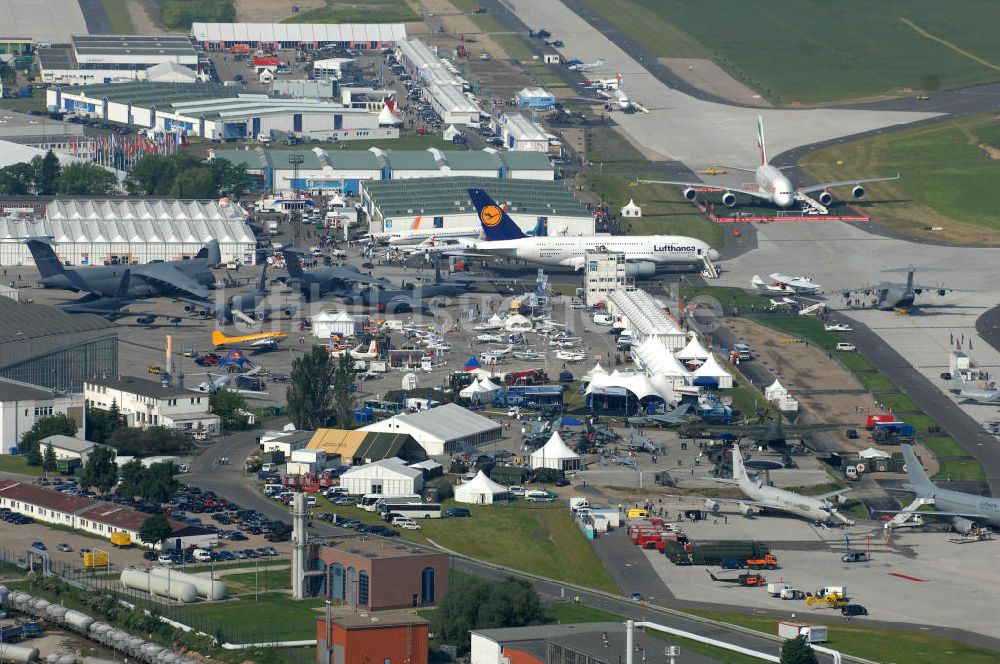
713	170
256	340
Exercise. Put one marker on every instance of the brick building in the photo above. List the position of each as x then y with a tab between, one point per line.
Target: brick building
393	638
378	574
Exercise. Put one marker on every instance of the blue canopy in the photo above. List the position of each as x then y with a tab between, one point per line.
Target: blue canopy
473	363
571	422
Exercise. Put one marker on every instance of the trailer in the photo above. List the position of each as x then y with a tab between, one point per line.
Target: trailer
812	633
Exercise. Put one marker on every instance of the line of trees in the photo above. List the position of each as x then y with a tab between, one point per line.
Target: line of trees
155	484
108	427
183	175
44	176
322	388
475	603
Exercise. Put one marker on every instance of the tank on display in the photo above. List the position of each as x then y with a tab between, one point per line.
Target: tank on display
159	585
17	654
205	587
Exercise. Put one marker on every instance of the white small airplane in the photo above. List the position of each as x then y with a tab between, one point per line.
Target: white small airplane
604	84
586	66
221	383
783	303
784	284
838	327
489	338
570	356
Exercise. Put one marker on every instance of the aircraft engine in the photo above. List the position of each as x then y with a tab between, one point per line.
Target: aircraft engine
729	199
288	311
825	198
712	506
858	192
964	526
640	269
189	308
259	315
745	510
690	194
204	313
145	320
842	499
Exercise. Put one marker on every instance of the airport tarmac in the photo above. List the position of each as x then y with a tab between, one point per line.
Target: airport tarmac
691	129
53	21
906	581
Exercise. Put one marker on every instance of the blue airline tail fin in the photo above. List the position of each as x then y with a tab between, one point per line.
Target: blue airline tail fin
497	225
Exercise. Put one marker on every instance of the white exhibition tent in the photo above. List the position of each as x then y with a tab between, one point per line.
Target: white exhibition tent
694	350
488	384
637	383
480	391
517	323
597	370
775	391
872	453
556	454
481	490
657	360
712	369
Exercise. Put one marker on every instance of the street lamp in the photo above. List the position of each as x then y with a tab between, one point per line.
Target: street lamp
295	160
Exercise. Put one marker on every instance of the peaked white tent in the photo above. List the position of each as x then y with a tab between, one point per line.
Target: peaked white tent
556	454
872	453
479	391
631	210
487	384
711	369
694	350
449	133
654	357
598	370
775	390
517	323
481	490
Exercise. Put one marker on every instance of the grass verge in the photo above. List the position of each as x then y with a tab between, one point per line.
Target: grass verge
809	329
367	11
960	470
117	13
18	464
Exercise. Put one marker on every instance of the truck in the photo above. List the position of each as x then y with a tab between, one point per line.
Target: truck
793	593
767	561
272	227
812	633
775	589
578	503
871	420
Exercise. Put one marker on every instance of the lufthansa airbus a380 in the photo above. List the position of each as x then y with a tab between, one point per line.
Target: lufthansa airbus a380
773	185
643	253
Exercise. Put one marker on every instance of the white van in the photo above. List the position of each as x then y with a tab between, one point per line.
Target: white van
538	497
603	319
202	555
844	347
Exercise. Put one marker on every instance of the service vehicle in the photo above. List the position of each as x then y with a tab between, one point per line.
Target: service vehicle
844	347
856	557
812	633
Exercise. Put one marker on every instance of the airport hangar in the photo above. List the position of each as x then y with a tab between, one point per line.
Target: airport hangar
44	346
344	170
443	87
304	36
109	58
216	112
430	203
120	232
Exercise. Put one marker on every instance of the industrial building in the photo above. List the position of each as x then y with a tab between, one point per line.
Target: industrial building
213	111
44	346
117	58
446	429
521	134
68	447
396	205
145	403
389	476
443	87
390	637
21	405
361	447
343	170
304	36
377	574
103	232
93	516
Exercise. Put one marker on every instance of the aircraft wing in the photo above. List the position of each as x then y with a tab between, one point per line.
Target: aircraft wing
800	283
695	185
833	494
843	183
168	276
964	515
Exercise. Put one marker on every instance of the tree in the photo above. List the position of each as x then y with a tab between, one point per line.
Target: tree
158	483
17	180
47	172
345	391
230	406
155	529
86	179
797	651
310	393
144	442
193	183
100	471
44	427
49	459
114	416
132	474
474	603
231	179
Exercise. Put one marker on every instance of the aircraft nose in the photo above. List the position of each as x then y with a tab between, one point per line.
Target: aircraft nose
713	255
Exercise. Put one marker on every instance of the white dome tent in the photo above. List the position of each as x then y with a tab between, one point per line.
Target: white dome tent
598	370
775	390
694	351
557	455
488	384
631	210
517	323
481	490
479	391
711	370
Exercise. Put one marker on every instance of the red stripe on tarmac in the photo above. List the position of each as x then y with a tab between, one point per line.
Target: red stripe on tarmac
907	577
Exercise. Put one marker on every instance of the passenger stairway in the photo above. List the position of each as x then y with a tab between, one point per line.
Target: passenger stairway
812	206
242	317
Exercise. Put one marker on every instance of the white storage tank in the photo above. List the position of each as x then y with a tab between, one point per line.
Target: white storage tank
134	644
17	654
204	587
98	629
95	660
56	612
170	587
4	594
40	604
78	621
150	650
66	659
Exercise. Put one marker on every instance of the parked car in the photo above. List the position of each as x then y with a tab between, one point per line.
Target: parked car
65	548
165	558
844	347
856	557
399	520
225	555
562	481
458	511
853	610
409	525
38	544
149	555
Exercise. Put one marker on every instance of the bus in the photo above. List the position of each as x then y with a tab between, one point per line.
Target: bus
412	509
369	500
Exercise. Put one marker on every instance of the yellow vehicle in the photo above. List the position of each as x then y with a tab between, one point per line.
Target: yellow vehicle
95	559
637	513
833	600
121	539
713	170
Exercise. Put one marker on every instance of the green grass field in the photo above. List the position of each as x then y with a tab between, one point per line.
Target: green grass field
548	543
897	403
266	580
877	644
18	464
856	49
365	11
121	21
855	362
952	190
960	470
274	612
874	382
943	446
809	329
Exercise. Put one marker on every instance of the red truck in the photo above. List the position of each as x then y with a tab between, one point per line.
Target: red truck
526	377
881	417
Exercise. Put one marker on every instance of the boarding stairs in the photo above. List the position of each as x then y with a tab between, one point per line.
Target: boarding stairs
813	309
709	268
908	512
242	317
810	204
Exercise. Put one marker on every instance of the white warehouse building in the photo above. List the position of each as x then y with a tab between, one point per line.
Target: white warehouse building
521	134
99	232
446	429
443	87
217	112
391	477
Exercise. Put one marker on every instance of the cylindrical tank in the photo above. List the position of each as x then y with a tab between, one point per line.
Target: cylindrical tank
39	604
119	637
4	594
134	644
95	660
159	585
204	587
68	658
78	621
150	650
168	658
97	629
17	654
56	612
20	598
53	658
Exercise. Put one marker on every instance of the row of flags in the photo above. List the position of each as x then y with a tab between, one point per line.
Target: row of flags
121	152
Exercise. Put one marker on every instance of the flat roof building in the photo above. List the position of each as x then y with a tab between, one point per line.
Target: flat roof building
358	447
146	403
389	637
306	36
443	87
137	231
116	58
443	202
446	429
521	134
21	405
